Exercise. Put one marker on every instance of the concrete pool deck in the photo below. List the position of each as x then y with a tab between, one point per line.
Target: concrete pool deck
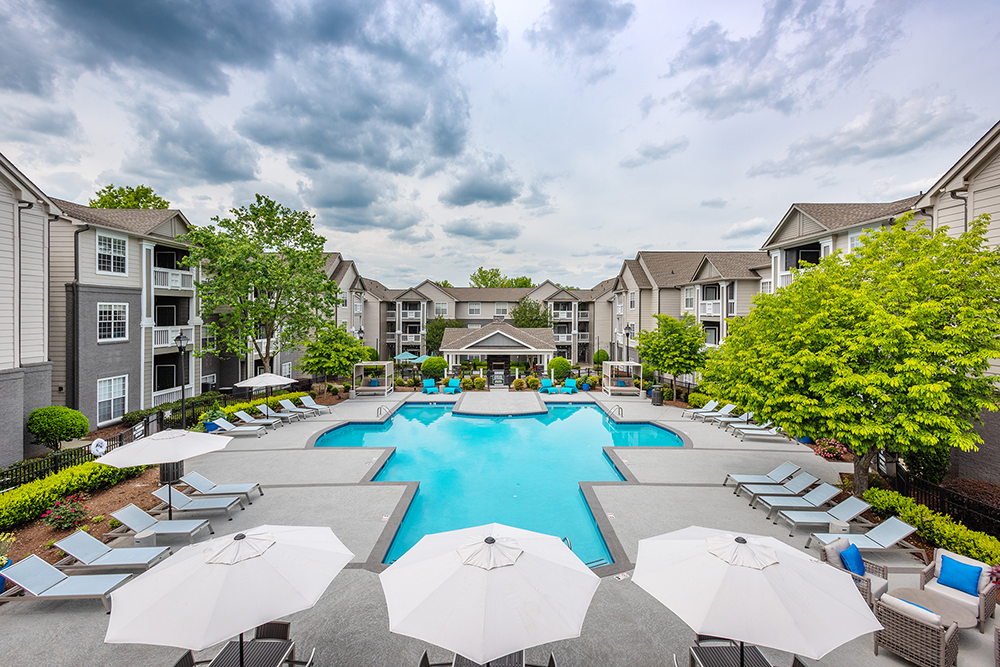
673	488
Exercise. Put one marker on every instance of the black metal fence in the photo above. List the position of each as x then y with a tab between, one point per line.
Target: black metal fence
973	513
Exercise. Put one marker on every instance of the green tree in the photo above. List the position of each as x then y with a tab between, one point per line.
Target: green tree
369	354
559	367
264	288
599	358
528	314
332	351
520	281
435	331
676	346
483	277
126	196
566	286
54	424
434	367
445	283
883	348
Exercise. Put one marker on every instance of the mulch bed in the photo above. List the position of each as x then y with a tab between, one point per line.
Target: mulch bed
977	489
847	480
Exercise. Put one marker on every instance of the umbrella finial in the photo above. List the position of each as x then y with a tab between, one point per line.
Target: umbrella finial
741	540
489	540
239	536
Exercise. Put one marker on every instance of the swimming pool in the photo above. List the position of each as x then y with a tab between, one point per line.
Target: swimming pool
520	471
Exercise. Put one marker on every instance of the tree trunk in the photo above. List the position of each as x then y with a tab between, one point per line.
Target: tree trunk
861	464
673	384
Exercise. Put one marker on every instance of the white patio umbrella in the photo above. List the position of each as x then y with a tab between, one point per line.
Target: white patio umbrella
488	591
209	592
167	446
753	589
266	380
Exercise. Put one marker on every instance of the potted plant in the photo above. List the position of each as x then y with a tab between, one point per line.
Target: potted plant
216	412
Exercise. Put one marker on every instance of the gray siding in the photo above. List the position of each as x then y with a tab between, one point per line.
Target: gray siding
8	279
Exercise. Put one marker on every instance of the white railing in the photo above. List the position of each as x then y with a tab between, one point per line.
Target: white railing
409	338
583	314
710	308
390	314
164	336
583	337
411	314
620	310
619	338
563	338
562	314
171	395
171	279
784	279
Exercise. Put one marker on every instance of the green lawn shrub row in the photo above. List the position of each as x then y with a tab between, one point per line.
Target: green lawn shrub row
272	403
938	529
31	500
696	400
200	401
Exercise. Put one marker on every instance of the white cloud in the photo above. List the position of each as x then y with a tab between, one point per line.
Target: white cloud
747	229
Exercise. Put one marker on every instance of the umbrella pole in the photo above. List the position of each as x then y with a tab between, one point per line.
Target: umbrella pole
170	501
241	649
741	653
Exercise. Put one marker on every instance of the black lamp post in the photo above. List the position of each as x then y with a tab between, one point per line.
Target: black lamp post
629	330
182	342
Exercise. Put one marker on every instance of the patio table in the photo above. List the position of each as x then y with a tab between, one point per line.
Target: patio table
256	653
727	656
515	659
949	610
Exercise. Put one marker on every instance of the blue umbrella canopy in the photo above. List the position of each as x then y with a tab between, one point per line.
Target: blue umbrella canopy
405	356
421	359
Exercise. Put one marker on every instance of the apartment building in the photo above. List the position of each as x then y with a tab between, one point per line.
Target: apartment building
25	366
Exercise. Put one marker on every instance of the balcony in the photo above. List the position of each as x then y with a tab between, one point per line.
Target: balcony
409	338
583	337
173	279
164	336
563	338
562	314
583	315
171	395
410	314
710	308
784	279
390	315
620	310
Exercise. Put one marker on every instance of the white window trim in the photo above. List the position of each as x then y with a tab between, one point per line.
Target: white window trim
478	305
506	308
124	409
287	364
112	339
208	379
97	253
689	290
437	310
631	300
765	286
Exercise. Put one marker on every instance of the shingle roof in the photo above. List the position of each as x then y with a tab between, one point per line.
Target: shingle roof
597	290
487	293
377	289
539	339
670	268
638	273
838	216
135	220
341	270
734	265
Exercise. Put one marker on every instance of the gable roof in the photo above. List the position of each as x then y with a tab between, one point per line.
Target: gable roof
597	290
23	183
833	217
985	148
410	294
487	293
735	265
562	294
638	273
458	339
141	221
671	268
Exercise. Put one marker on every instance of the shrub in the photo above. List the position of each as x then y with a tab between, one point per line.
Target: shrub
29	501
600	357
114	523
518	384
931	465
434	367
346	389
215	413
560	367
830	449
229	412
467	384
332	389
697	400
97	519
369	354
412	382
66	513
480	383
56	423
399	382
940	530
533	383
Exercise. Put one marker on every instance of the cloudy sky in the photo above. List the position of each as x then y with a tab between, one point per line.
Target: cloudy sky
552	140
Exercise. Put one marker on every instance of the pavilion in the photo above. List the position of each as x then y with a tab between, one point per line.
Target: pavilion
499	344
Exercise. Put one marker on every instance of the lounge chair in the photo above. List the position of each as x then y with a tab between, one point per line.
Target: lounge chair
182	503
748	427
872	585
546	387
569	388
758	433
290	407
727	421
309	402
793	487
983	604
40	581
705	416
231	429
205	487
890	535
249	420
708	407
776	476
430	387
137	521
280	630
453	387
87	554
273	414
846	510
813	500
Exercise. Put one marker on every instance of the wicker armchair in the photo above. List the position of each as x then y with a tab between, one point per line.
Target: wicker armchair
875	581
987	589
920	643
996	645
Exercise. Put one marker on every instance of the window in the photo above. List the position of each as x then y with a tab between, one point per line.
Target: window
854	241
501	308
357	307
208	379
765	287
111	398
286	369
475	307
440	310
631	300
474	326
688	298
112	321
111	254
711	336
208	342
710	293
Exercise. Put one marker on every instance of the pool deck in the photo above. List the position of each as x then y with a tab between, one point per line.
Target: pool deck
668	489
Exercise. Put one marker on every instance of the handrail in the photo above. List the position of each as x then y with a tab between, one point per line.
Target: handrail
566	540
378	411
621	412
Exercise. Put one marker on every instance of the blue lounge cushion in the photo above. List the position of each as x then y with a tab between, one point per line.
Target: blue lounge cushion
960	576
621	383
852	560
373	383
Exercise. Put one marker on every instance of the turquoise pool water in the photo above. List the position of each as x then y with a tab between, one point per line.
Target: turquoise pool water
520	471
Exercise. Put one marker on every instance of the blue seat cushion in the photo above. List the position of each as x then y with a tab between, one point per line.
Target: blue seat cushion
851	558
960	576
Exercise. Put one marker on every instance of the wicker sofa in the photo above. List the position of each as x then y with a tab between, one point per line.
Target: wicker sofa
875	581
984	607
920	642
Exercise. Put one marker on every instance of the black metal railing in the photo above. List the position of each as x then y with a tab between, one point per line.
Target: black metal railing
974	514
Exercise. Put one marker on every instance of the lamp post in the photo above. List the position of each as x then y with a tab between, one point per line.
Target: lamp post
172	468
182	342
629	330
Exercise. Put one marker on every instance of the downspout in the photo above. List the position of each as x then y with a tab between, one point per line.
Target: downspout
21	206
72	339
965	201
929	216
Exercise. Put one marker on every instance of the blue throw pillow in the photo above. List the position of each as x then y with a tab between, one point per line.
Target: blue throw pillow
851	558
961	576
621	383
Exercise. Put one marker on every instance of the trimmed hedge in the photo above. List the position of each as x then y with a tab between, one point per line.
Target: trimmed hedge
272	403
29	501
697	400
56	423
938	529
192	403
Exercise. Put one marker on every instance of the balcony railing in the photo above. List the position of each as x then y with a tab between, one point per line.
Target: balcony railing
409	338
171	395
172	279
583	337
784	279
411	314
710	308
562	314
390	314
620	310
164	336
563	338
583	314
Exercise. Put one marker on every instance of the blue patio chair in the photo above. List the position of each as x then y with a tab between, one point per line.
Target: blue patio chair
429	387
546	387
454	387
569	388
